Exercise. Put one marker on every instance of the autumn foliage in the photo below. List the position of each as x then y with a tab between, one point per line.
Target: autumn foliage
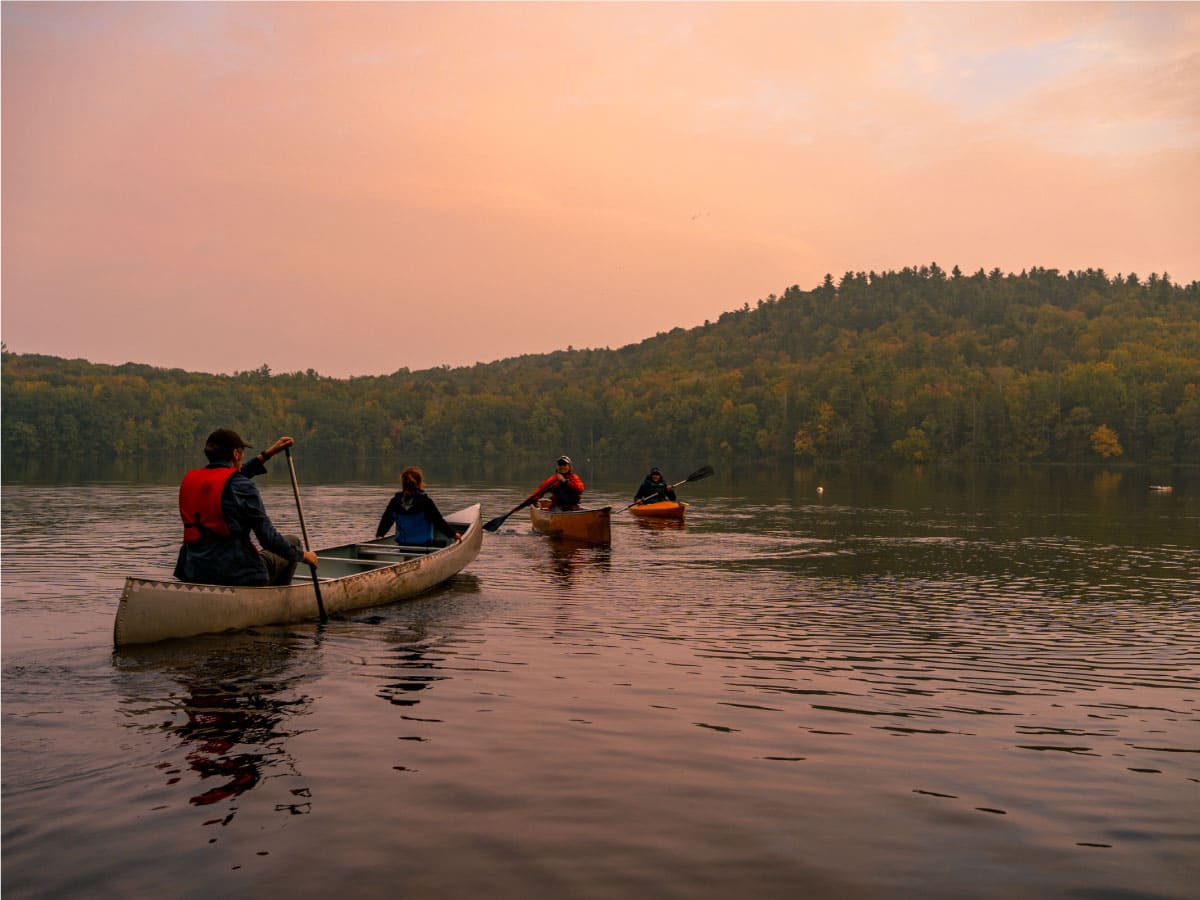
917	365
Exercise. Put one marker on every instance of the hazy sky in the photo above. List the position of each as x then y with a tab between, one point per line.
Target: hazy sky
357	187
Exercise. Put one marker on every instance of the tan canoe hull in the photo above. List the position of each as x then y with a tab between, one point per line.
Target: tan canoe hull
592	526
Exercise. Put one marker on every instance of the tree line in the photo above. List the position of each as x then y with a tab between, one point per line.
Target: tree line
916	365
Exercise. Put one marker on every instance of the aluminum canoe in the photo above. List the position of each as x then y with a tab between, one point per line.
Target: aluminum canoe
352	576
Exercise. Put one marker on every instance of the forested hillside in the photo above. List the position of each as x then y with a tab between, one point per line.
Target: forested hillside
914	365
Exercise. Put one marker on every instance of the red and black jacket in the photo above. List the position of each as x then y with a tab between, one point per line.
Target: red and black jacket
566	493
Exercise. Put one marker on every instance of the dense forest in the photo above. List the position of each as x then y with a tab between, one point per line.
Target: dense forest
917	365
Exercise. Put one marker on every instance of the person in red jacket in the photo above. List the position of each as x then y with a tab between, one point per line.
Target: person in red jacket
564	487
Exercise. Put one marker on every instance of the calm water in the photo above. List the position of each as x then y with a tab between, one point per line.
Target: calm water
906	685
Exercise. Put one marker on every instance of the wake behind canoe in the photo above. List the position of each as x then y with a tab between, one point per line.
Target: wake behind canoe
353	576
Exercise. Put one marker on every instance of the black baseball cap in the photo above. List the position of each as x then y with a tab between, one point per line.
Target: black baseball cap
222	442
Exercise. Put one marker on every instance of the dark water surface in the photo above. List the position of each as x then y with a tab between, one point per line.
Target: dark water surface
906	685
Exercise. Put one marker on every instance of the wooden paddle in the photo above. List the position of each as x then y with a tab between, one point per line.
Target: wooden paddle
494	524
702	472
304	534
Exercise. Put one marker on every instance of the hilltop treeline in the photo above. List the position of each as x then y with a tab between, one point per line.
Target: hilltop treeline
914	365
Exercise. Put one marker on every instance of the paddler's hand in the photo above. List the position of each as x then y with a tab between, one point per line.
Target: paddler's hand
310	556
278	447
458	535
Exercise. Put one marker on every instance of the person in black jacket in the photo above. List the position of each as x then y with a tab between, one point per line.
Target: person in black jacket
654	489
414	513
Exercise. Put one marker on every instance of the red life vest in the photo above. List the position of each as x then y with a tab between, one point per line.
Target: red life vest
200	503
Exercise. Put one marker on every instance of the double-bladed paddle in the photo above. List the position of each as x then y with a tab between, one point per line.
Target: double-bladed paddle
304	534
702	472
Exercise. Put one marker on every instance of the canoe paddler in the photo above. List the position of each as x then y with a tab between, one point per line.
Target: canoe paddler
221	509
414	513
564	486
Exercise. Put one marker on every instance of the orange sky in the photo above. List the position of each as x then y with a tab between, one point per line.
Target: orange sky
357	187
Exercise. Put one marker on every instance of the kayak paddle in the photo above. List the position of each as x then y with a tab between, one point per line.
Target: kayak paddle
702	472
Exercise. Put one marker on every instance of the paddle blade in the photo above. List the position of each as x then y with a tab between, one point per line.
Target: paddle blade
499	520
494	524
702	472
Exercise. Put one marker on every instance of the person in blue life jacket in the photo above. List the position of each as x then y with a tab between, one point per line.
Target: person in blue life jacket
414	513
654	488
222	509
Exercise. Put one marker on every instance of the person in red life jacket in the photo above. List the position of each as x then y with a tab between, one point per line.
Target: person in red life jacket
221	508
414	513
564	487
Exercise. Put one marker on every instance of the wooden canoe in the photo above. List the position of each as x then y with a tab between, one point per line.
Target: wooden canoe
663	509
353	576
590	525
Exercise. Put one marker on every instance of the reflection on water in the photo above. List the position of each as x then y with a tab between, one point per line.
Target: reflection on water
903	685
232	704
410	672
216	724
566	560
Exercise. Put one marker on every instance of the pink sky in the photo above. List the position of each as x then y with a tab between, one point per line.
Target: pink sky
354	188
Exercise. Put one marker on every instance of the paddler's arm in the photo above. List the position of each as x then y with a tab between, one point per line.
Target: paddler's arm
388	518
257	465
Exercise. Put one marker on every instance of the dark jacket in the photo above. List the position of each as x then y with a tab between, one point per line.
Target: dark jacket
654	491
233	559
420	504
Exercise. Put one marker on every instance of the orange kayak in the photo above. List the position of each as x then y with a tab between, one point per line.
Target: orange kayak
664	509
